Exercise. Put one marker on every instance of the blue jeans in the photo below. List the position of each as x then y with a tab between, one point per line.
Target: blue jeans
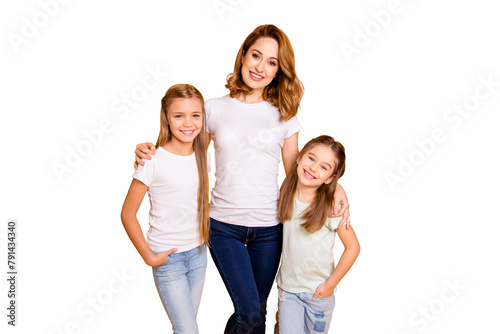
298	313
247	259
180	283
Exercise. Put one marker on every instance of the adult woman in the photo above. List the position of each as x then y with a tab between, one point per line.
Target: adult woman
250	127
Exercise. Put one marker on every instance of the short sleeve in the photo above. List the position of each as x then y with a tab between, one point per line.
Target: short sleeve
292	126
333	223
147	173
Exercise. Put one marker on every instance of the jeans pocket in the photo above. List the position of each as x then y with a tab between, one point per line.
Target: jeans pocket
325	298
322	302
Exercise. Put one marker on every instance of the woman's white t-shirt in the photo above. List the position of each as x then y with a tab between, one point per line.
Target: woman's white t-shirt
248	139
172	182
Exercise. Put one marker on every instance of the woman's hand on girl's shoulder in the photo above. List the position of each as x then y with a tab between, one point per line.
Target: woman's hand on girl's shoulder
346	219
143	151
161	258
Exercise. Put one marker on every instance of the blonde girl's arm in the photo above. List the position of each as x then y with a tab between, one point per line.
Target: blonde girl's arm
346	261
133	228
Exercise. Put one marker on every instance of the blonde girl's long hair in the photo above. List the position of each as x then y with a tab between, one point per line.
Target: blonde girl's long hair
185	91
286	90
322	206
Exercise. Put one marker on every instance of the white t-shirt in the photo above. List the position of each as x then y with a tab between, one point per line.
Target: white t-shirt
172	182
248	139
307	258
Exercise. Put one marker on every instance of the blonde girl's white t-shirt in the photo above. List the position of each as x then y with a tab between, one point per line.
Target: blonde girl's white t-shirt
172	182
307	258
248	139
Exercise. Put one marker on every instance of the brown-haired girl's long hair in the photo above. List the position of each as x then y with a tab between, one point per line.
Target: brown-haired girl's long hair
286	90
185	91
322	206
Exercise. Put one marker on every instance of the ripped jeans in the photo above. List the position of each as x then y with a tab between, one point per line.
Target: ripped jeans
298	313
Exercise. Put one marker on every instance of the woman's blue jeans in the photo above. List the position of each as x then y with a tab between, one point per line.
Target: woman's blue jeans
247	259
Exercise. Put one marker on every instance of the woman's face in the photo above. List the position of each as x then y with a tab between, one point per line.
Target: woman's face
260	64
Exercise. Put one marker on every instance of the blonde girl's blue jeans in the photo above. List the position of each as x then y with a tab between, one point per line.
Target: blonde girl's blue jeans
299	314
180	283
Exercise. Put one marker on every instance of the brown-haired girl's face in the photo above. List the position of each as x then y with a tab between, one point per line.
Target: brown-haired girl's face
260	63
316	166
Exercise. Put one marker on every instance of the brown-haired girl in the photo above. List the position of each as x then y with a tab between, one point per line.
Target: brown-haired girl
252	128
307	276
176	180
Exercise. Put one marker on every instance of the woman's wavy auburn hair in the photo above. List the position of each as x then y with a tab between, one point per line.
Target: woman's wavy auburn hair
322	206
286	90
185	91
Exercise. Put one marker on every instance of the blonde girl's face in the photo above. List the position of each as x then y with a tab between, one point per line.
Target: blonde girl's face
185	119
316	166
260	63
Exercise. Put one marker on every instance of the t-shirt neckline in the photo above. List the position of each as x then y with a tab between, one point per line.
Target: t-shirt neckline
161	150
248	105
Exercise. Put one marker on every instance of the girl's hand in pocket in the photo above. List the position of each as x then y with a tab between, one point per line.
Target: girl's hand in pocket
324	290
160	258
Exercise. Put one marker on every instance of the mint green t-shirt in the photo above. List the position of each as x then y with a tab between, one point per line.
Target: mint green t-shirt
307	258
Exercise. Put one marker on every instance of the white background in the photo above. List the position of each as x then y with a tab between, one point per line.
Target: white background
428	242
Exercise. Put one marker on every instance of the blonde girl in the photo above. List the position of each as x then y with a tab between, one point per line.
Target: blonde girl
176	180
307	276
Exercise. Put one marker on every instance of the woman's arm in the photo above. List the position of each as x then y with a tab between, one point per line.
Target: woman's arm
351	252
209	138
340	201
290	152
133	228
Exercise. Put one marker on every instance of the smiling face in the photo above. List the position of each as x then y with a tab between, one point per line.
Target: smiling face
316	166
185	119
260	64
